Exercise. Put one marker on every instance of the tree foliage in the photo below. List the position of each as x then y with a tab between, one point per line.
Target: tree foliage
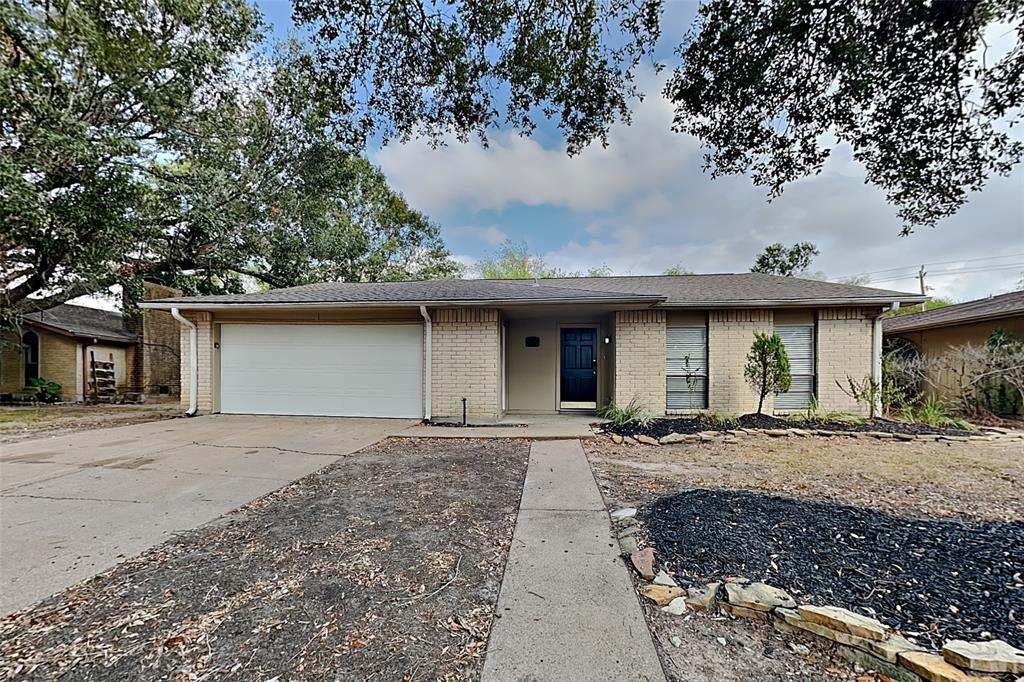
769	87
767	368
677	269
156	141
778	259
514	261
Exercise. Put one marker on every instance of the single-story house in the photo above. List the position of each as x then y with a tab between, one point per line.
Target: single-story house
93	353
934	332
427	349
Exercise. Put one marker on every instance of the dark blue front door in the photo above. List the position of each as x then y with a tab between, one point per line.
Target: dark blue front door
579	366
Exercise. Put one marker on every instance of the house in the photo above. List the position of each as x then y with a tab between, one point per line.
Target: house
430	349
934	332
94	353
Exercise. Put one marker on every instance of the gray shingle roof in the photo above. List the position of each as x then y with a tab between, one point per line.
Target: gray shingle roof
1005	305
670	290
85	322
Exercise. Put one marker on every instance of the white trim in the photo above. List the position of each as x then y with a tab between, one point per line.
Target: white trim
428	361
578	406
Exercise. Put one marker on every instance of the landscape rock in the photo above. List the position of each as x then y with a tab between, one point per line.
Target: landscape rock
647	440
887	650
702	598
800	432
845	621
629	440
676	640
623	513
777	433
643	562
676	607
744	612
664	578
904	436
758	596
627	522
627	545
672	438
661	595
617	439
995	656
627	531
934	669
799	649
880	434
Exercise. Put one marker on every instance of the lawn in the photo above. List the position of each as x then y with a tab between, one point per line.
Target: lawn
928	537
385	565
23	422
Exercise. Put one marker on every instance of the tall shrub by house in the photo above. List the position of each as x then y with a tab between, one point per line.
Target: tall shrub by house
767	369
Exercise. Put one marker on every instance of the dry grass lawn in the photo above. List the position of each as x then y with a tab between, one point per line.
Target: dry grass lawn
977	481
23	422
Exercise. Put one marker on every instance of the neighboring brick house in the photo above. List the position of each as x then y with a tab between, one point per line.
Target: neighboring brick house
67	343
934	332
428	349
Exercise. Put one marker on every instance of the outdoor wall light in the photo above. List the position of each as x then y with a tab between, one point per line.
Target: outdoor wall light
607	339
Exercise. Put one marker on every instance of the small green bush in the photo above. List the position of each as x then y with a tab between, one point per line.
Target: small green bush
935	412
46	391
633	413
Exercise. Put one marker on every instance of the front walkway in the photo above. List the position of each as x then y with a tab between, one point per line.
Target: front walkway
567	608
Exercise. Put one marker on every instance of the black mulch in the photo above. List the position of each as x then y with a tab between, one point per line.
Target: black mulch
697	423
937	580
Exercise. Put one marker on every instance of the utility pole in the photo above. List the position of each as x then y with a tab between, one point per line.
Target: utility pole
920	278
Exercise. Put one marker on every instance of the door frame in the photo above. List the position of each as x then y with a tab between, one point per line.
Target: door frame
597	368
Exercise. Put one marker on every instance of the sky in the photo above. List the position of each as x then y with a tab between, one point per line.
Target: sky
644	203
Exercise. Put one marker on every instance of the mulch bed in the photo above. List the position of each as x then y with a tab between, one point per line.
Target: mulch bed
697	423
934	580
385	566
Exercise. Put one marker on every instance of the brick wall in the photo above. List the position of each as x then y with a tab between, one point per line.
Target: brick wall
730	335
10	363
58	361
640	358
157	363
466	353
204	325
844	350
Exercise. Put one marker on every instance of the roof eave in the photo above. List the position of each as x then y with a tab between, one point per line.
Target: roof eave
53	329
795	302
199	305
952	323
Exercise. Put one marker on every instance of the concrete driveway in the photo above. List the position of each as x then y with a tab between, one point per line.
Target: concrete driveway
73	506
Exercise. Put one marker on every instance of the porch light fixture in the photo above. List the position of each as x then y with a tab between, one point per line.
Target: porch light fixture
607	339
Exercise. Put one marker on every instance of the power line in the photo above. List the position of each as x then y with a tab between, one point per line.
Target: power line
951	271
948	262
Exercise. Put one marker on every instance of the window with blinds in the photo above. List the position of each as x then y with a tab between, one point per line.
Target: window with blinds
798	341
686	368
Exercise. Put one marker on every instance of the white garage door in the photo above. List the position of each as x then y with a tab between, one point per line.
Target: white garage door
350	370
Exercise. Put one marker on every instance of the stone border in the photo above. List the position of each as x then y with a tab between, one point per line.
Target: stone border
859	639
991	434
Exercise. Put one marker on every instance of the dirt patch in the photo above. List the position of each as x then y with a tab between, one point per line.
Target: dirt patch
384	566
24	422
658	428
978	481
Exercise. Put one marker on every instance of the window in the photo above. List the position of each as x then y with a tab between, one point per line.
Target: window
799	343
30	341
686	368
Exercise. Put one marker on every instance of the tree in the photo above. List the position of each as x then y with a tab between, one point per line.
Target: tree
777	259
767	368
677	269
933	304
770	88
514	261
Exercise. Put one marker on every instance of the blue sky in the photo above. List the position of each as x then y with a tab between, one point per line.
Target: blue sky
644	204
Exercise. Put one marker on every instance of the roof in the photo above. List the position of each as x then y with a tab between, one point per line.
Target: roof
734	290
76	320
993	307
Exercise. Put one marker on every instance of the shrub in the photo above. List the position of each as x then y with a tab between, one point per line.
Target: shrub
46	391
633	413
934	411
767	369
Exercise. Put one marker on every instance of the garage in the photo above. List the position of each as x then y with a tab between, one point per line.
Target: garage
345	370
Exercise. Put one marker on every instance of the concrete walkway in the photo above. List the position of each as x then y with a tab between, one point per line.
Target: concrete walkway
567	608
534	426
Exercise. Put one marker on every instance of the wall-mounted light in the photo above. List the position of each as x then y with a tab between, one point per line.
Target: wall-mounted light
607	339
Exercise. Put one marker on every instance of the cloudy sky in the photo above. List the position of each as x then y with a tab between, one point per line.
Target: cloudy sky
643	204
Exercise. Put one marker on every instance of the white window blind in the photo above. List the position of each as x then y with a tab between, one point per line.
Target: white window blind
798	341
686	368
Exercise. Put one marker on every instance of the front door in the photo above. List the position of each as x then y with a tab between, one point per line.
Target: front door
579	368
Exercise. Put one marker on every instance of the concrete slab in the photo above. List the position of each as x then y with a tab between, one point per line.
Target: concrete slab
567	606
75	505
533	426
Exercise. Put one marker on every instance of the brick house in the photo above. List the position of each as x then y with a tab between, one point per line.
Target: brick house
419	349
67	343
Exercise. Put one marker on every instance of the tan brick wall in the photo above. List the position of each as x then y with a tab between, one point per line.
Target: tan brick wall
730	335
640	358
465	352
207	369
844	350
58	361
10	363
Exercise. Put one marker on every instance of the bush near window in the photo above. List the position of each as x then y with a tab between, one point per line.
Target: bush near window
767	369
46	391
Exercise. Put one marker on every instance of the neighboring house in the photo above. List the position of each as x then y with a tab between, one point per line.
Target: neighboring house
85	349
417	349
934	332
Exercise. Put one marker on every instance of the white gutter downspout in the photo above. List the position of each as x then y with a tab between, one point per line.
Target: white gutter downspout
428	333
876	354
193	360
